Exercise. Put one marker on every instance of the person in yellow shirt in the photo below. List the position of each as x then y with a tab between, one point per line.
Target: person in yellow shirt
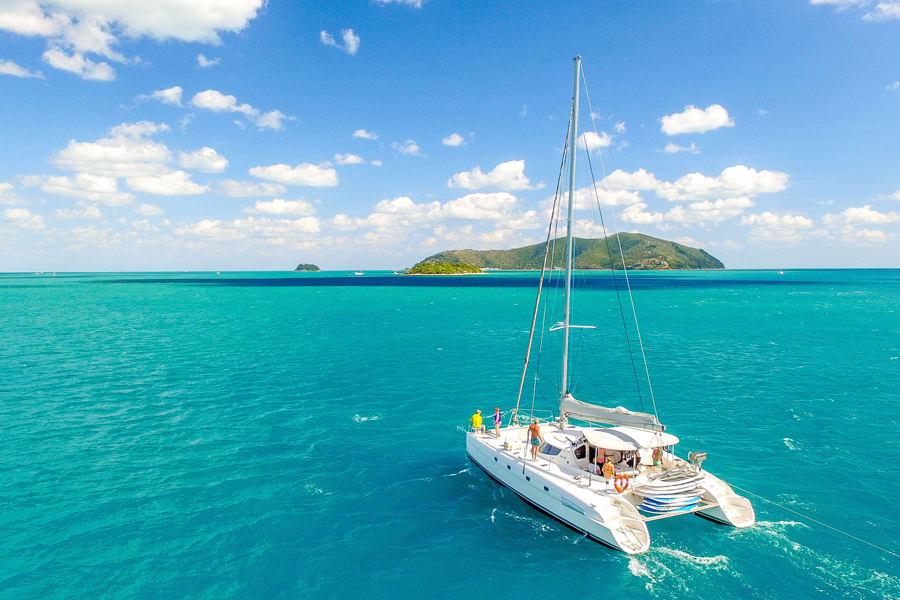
477	421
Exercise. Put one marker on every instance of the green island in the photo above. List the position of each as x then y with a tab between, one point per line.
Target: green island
307	267
641	252
443	268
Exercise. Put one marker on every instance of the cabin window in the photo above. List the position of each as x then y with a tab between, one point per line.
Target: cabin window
549	450
527	478
580	452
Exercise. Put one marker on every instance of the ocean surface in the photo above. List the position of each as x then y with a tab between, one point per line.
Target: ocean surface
300	435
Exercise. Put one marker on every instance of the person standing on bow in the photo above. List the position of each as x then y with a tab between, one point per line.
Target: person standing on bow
497	420
534	432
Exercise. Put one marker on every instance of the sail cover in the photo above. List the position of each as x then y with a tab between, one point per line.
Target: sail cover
571	408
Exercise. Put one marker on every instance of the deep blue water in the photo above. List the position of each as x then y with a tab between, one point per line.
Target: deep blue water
260	435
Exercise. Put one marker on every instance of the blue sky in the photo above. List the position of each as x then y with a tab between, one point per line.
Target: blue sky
238	135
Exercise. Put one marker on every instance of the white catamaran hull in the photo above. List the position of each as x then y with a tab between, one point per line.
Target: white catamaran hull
607	518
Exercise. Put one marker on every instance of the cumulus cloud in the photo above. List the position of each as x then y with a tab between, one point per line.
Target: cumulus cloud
894	87
593	141
174	183
23	218
454	139
271	230
127	152
348	159
883	11
862	214
733	181
896	195
149	210
277	206
505	176
623	180
171	96
8	67
696	120
620	127
409	147
96	188
205	160
74	28
351	41
376	163
249	189
218	102
207	62
88	212
675	148
770	226
7	196
366	135
303	174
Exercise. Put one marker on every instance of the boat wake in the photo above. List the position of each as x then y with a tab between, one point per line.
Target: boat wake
359	419
672	573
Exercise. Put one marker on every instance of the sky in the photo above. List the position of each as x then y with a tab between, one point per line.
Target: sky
165	135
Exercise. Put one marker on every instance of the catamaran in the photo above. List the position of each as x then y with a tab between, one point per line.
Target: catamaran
566	479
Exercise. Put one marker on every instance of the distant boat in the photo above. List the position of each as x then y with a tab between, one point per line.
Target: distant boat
358	273
649	481
780	272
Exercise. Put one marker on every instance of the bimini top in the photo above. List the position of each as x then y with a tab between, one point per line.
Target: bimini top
610	439
646	439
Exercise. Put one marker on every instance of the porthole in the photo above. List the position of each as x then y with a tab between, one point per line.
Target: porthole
527	478
495	459
546	489
509	467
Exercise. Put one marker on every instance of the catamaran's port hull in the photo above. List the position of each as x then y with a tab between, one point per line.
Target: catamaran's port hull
552	496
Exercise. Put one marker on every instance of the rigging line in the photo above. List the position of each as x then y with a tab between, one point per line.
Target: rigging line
637	327
808	518
612	264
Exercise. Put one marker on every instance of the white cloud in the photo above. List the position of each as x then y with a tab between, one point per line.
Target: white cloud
413	3
620	127
366	135
125	153
376	163
303	174
895	195
277	206
593	141
80	27
863	214
348	159
454	139
672	148
23	218
623	180
149	210
174	183
636	214
8	67
88	212
505	176
207	62
709	211
894	86
688	241
696	120
205	160
409	147
7	196
96	188
249	189
890	9
524	111
769	226
872	235
218	102
78	64
734	181
271	230
171	96
351	41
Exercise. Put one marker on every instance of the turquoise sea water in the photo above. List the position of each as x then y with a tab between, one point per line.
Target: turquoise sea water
259	435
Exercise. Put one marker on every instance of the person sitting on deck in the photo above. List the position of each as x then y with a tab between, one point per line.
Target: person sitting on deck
477	422
609	471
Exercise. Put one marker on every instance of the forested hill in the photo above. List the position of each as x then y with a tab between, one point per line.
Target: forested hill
641	252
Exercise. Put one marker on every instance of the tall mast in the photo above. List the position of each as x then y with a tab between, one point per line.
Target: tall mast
573	152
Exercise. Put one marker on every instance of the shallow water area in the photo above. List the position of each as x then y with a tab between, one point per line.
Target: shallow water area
299	435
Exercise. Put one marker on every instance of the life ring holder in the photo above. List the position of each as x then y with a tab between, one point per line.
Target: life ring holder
621	482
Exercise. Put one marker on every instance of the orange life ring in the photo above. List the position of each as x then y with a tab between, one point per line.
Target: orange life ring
621	482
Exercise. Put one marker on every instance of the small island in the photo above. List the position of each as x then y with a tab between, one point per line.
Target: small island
307	267
444	268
